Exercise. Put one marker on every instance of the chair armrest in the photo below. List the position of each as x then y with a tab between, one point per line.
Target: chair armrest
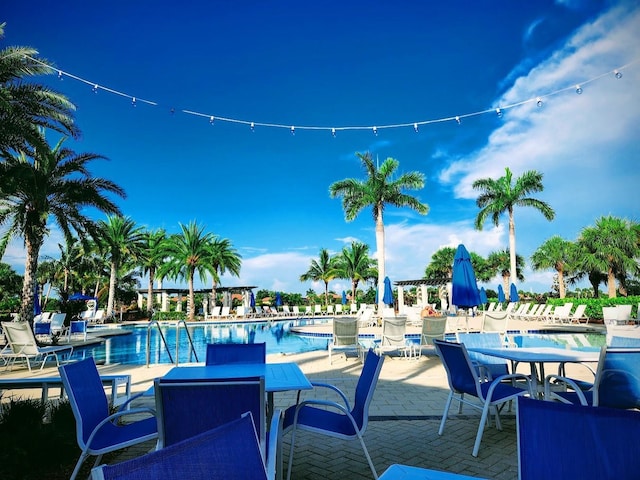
274	447
510	376
335	389
116	416
126	403
549	379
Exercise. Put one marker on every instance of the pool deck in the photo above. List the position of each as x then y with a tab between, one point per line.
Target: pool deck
404	418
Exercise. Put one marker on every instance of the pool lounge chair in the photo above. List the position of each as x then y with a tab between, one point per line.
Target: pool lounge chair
432	328
21	344
345	336
393	337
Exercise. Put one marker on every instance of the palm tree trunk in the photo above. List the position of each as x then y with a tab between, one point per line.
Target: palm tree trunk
152	272
512	252
214	286
561	289
191	298
29	281
112	290
381	259
611	283
326	294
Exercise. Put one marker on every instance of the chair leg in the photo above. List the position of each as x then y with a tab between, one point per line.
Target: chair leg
366	453
293	441
446	413
483	420
79	463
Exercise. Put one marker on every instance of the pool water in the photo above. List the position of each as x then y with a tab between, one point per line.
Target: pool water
573	341
132	349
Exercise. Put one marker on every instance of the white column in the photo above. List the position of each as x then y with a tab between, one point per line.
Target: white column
165	302
140	301
425	296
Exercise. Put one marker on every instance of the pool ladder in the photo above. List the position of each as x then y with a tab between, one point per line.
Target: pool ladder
179	324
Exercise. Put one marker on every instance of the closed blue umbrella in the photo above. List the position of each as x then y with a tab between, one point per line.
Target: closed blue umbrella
278	299
252	300
387	297
513	293
344	297
483	296
464	291
500	294
81	296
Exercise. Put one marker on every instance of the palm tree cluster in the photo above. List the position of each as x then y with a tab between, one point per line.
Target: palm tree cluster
353	263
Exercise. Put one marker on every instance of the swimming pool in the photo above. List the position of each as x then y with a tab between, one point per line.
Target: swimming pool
132	348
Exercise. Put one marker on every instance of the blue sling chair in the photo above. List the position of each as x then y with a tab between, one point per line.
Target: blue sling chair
221	353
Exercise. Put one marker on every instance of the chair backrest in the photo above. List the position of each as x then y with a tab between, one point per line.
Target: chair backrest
230	451
579	313
365	317
41	328
329	309
461	374
57	322
556	440
307	309
99	316
510	307
496	366
88	401
495	322
345	331
78	327
617	382
215	312
491	307
609	314
433	328
339	308
393	331
20	337
222	353
353	308
240	311
296	310
187	408
317	309
624	341
225	311
365	388
624	312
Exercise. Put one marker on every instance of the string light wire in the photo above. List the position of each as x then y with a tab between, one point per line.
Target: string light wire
334	129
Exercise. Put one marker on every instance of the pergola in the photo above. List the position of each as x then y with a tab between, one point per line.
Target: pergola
422	283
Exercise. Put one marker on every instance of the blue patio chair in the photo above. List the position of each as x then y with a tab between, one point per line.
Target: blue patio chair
221	353
334	419
187	408
573	441
616	384
490	395
405	472
77	328
230	451
487	365
624	342
97	430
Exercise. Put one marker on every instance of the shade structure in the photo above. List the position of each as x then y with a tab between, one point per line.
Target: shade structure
387	296
344	297
500	294
513	293
465	288
252	300
81	296
278	299
483	296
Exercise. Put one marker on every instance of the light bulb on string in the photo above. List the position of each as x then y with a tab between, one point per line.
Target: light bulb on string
617	74
458	120
60	75
172	111
293	130
375	131
499	112
95	88
253	127
415	127
333	132
578	89
539	102
133	101
211	119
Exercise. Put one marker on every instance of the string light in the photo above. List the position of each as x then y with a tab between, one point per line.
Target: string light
293	130
458	118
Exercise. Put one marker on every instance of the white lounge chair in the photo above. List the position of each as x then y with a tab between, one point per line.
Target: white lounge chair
317	310
339	309
393	337
21	344
329	310
345	336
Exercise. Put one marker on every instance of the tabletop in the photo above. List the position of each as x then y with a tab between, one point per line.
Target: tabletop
278	377
540	354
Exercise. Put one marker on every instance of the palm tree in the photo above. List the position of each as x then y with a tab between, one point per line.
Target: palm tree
502	195
53	187
120	241
223	258
25	108
188	253
151	258
441	265
323	270
558	254
355	264
500	263
611	248
378	191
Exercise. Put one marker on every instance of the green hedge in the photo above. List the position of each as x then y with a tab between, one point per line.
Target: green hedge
594	305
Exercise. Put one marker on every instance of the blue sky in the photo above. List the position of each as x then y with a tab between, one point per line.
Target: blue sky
345	64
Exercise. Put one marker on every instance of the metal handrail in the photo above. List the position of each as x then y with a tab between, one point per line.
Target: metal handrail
192	349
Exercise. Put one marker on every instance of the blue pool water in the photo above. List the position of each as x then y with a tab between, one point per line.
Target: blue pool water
573	341
131	349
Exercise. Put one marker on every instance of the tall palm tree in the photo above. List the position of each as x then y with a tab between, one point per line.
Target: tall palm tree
377	191
189	253
355	264
558	254
25	108
611	248
441	264
321	270
55	186
120	240
151	258
224	258
503	195
500	263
